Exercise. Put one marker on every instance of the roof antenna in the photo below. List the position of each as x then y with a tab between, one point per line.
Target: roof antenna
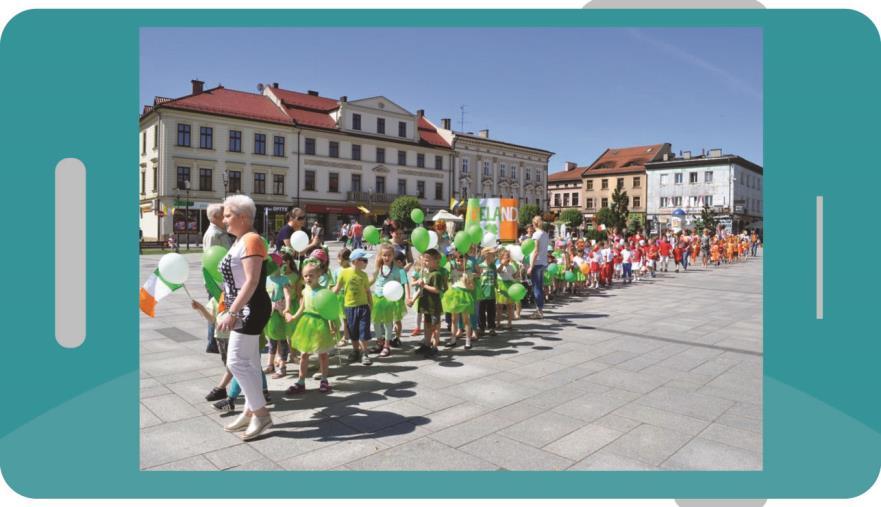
462	118
260	87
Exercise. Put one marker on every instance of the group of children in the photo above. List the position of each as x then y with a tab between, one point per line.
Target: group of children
469	292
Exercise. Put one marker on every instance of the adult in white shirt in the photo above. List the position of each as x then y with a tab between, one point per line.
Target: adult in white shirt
538	263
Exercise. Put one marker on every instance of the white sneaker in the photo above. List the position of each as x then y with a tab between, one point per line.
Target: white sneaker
257	427
241	422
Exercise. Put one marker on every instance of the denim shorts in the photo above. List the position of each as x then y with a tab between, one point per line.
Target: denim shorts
358	322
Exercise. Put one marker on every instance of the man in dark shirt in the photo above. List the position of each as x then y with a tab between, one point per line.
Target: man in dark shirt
287	230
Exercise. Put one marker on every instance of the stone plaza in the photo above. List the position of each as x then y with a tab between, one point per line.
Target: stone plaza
663	374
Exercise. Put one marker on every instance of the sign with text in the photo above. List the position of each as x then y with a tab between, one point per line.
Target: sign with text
496	215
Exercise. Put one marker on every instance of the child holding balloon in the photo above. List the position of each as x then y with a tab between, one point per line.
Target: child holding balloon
486	292
459	300
314	334
401	304
385	306
343	258
432	283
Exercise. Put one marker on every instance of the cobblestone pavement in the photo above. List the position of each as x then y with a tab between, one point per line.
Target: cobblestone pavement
664	374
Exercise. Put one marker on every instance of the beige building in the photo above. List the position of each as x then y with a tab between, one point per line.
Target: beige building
565	188
622	168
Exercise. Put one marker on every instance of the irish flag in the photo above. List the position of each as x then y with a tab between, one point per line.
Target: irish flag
154	289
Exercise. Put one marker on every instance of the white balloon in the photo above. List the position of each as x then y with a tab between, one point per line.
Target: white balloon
432	239
489	240
174	268
392	290
516	253
299	241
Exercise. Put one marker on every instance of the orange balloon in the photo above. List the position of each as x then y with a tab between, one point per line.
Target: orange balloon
585	268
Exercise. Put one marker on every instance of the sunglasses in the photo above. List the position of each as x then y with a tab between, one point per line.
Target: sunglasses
300	218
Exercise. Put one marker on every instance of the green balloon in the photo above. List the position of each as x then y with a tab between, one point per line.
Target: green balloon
271	266
327	304
462	242
420	238
211	262
569	276
417	216
443	261
516	291
475	232
553	269
371	235
527	246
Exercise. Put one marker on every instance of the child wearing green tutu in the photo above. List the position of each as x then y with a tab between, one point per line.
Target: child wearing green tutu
506	277
401	310
431	285
279	288
313	334
384	311
486	292
459	300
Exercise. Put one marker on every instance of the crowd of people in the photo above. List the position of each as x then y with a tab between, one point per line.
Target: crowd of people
469	293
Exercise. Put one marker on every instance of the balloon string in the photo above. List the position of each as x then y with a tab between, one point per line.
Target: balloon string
187	291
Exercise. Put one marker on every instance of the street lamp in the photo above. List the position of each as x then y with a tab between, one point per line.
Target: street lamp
225	181
187	187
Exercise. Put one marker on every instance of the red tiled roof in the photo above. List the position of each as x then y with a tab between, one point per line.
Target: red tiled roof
231	103
305	100
428	134
626	160
570	175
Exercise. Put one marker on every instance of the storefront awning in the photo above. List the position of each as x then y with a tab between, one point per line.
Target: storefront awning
337	210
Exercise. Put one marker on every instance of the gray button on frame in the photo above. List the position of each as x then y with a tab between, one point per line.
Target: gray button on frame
70	253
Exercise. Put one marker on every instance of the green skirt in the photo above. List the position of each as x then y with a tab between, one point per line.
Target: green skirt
400	309
383	311
276	329
458	300
313	335
502	297
579	276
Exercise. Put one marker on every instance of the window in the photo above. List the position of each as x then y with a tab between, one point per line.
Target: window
156	137
356	121
402	186
636	201
556	200
235	140
420	189
589	203
438	162
356	152
235	181
402	157
605	202
692	200
278	146
155	180
309	180
502	169
260	144
380	184
183	177
380	155
692	177
206	138
486	169
380	125
677	201
333	150
708	176
514	172
183	134
708	200
333	182
356	183
278	184
566	200
619	184
604	184
664	202
527	172
677	178
663	179
439	191
464	166
575	198
420	160
402	129
205	179
143	182
259	183
759	184
144	144
636	181
310	146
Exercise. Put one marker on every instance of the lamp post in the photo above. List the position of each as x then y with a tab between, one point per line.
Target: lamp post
187	187
225	181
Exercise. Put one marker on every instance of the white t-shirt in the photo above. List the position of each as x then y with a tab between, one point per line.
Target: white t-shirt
625	255
541	247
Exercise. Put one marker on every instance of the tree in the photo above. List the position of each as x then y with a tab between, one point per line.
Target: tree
635	222
605	217
619	208
572	217
526	212
401	208
707	220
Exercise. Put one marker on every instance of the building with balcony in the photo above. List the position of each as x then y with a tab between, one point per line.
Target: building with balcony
334	158
728	184
564	188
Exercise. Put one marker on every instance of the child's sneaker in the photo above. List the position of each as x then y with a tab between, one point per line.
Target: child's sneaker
324	386
226	405
354	356
218	393
365	361
295	389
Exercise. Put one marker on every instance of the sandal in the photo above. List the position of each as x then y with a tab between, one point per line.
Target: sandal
385	352
269	369
280	373
296	389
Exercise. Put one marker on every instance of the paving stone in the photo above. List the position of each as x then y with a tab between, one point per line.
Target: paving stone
637	382
491	393
147	418
702	454
542	429
192	463
583	442
687	403
590	407
512	455
421	454
617	423
662	418
170	407
469	431
233	456
334	455
746	440
173	441
649	444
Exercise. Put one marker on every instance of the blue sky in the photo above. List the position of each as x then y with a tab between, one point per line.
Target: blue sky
573	91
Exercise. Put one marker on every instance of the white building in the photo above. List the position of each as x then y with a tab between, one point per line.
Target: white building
486	167
333	158
728	184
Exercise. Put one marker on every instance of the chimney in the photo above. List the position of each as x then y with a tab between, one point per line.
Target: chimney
420	113
716	152
686	155
313	93
484	133
275	85
568	166
344	99
445	123
198	86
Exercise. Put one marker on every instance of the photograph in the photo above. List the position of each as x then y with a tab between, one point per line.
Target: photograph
451	248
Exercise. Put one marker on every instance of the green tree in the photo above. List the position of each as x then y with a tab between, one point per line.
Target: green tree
572	217
606	217
401	208
619	208
707	220
526	212
635	222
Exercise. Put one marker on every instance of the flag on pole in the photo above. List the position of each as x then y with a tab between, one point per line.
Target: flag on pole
453	203
154	289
